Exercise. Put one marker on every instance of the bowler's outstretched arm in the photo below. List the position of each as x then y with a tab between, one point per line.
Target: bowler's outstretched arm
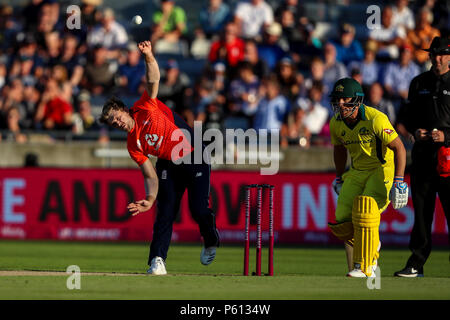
152	74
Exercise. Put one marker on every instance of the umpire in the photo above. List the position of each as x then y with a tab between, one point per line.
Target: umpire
427	117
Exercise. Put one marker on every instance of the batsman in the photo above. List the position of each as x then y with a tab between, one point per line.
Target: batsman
375	177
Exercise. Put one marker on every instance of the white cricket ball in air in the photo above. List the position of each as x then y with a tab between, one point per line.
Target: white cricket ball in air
137	19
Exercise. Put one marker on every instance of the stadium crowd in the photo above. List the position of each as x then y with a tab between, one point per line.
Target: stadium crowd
262	65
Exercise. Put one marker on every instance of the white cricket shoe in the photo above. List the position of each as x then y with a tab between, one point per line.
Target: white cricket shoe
357	272
157	267
208	254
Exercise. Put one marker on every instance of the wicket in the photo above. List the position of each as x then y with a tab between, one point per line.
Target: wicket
259	188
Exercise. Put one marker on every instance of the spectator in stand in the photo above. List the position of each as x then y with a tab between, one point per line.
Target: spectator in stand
99	73
440	11
316	74
31	97
308	47
402	15
13	125
421	37
51	50
200	45
109	34
296	131
84	120
132	73
291	32
315	114
244	91
290	81
208	105
72	60
169	25
12	97
213	17
377	101
252	17
31	14
369	67
49	18
399	74
251	55
293	7
9	28
334	70
389	37
53	113
229	48
27	61
348	49
271	50
174	88
59	73
203	96
220	83
273	108
90	13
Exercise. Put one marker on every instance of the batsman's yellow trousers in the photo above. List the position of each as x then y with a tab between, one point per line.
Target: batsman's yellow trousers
374	183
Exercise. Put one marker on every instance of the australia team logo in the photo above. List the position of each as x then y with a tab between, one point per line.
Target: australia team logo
364	131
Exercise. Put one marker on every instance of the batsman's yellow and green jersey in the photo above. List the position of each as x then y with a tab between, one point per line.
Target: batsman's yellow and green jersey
372	170
367	141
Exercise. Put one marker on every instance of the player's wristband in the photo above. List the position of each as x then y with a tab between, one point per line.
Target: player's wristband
339	179
398	179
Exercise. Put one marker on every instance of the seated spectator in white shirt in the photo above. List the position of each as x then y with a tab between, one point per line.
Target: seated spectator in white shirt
316	115
400	73
110	34
273	109
403	16
252	17
389	37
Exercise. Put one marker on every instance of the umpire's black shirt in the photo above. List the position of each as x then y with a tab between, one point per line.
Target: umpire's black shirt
428	107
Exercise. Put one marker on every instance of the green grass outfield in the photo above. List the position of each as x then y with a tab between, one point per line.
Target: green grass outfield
300	273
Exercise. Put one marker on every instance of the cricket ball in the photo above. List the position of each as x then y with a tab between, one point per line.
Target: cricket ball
137	19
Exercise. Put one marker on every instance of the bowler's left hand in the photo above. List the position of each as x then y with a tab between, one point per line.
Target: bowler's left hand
139	206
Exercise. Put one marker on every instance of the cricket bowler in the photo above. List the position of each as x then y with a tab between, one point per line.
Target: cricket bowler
378	160
154	129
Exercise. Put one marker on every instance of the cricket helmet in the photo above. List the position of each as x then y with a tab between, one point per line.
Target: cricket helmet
346	88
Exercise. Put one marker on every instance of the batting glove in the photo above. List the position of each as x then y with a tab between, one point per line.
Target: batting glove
337	184
399	193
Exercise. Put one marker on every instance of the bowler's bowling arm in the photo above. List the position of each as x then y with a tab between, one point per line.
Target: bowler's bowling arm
152	75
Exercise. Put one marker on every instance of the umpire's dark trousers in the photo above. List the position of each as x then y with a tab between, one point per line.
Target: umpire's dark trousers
173	181
425	184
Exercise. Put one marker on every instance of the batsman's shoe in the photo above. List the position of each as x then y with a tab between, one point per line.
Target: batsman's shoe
157	267
409	272
207	255
358	273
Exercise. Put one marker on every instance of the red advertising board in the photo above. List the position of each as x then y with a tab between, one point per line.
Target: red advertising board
90	204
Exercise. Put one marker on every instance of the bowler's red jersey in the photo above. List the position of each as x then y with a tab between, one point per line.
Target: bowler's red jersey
155	125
